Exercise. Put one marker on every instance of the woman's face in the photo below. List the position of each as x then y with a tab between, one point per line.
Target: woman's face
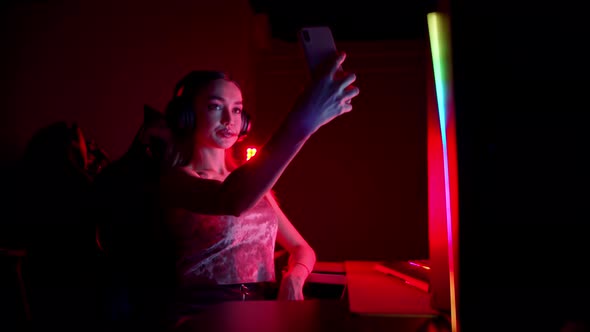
219	114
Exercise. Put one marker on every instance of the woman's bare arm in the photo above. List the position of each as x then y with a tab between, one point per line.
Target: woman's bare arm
323	101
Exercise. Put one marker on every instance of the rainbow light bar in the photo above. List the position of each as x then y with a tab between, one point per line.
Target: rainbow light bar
439	33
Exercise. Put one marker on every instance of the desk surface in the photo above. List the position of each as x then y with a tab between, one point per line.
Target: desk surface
373	292
285	316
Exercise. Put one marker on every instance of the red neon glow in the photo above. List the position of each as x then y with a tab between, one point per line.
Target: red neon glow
250	152
419	265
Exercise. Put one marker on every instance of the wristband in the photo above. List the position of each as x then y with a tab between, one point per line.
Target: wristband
308	270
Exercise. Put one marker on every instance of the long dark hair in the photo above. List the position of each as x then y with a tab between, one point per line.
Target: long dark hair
181	118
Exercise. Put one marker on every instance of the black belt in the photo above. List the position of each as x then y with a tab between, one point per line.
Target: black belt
248	289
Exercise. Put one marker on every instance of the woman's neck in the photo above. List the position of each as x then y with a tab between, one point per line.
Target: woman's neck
209	160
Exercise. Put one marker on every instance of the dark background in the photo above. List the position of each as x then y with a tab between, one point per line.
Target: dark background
521	121
521	100
370	20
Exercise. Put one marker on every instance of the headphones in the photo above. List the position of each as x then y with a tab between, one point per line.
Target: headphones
182	120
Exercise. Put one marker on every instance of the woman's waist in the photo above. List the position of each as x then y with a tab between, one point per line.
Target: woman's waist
212	293
231	276
224	260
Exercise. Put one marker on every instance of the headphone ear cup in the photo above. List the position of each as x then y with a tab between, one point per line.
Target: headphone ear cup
246	124
188	119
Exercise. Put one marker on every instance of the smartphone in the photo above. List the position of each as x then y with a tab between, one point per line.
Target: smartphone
318	46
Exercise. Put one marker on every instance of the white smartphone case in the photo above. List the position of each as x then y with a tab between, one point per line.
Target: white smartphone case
318	45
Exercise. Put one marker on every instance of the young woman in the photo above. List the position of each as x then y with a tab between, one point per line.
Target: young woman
222	221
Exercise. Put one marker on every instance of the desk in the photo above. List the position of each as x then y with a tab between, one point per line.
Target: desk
300	316
374	293
333	273
410	305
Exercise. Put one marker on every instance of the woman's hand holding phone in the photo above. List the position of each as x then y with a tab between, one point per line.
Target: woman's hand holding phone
328	95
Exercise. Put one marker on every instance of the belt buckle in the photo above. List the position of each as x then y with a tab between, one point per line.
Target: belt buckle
244	291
